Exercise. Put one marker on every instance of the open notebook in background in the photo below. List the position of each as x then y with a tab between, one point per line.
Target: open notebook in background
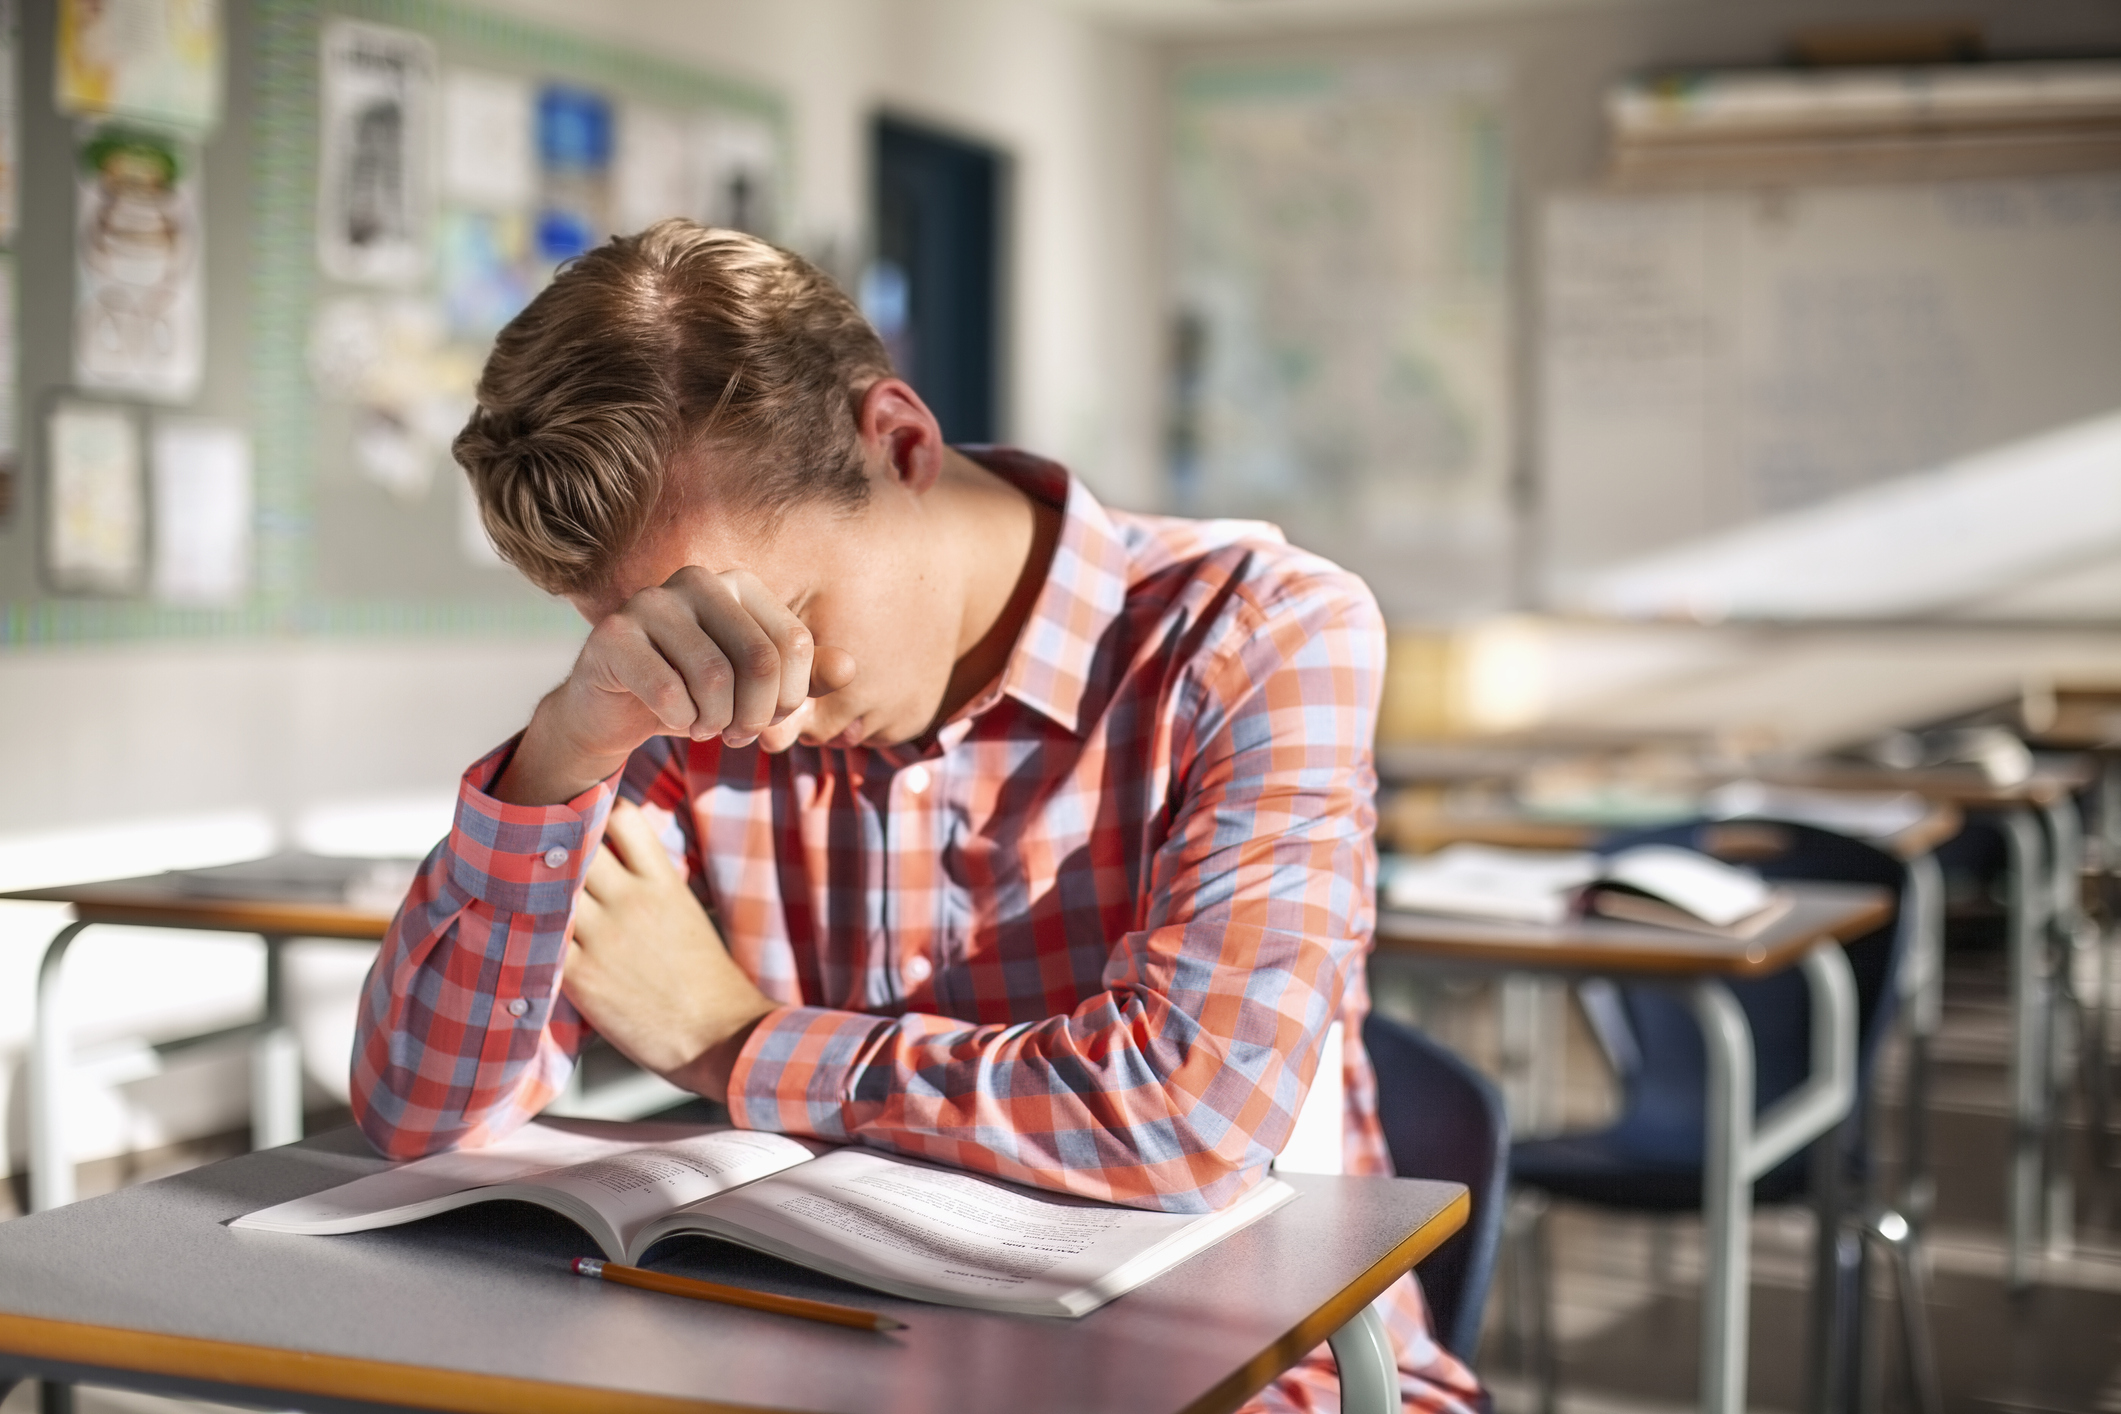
1656	884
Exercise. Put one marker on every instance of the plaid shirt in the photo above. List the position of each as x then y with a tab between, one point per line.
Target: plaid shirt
1088	935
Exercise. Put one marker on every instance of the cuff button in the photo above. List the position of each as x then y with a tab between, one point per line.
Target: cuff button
518	1007
555	857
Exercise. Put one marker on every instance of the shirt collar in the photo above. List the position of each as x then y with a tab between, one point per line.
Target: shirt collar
1085	590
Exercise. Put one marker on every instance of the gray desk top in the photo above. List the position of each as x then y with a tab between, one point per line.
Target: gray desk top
476	1310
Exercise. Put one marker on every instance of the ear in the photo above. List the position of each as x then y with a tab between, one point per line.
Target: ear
901	440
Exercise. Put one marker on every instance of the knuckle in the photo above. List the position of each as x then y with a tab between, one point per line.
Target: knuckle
760	659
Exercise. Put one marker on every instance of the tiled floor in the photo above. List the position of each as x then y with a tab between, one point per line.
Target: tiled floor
1625	1287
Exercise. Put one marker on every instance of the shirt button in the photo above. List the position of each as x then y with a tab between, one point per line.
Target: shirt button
917	970
917	779
518	1007
555	857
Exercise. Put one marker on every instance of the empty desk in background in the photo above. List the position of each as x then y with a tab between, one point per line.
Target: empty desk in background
279	899
148	1289
2088	720
2044	841
1741	1147
291	896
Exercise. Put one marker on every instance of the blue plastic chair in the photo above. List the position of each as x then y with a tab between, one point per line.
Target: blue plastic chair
1444	1120
1650	1158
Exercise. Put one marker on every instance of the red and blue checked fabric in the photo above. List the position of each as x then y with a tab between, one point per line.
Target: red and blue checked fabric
1089	936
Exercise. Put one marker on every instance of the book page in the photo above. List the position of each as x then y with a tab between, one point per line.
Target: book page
659	1167
1485	881
942	1235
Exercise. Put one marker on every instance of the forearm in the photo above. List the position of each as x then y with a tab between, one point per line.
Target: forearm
462	1032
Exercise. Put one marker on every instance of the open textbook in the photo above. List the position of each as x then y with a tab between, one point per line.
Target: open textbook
897	1225
1652	883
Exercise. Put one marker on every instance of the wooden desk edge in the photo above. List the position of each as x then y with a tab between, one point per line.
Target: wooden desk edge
1311	1332
272	1369
302	920
1604	957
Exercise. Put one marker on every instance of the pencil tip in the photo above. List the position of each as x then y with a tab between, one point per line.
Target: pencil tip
885	1323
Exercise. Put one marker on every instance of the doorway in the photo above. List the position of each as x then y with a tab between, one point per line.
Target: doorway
934	289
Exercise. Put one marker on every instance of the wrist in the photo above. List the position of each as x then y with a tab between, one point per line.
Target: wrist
709	1072
547	767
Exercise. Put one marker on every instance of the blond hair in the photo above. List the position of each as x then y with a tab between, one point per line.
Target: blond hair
682	338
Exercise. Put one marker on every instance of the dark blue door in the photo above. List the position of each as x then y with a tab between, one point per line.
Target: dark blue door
934	292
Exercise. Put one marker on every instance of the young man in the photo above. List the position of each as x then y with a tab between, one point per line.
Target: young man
901	795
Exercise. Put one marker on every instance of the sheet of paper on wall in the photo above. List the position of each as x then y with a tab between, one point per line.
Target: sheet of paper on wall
139	312
10	128
375	188
95	502
489	159
739	172
202	512
654	171
157	60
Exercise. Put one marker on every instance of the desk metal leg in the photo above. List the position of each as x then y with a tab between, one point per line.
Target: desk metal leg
1923	1003
1741	1148
275	1061
2030	1007
2067	937
1726	1199
51	1161
1369	1376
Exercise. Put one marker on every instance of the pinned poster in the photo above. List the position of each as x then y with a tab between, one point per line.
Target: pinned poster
158	60
375	190
489	160
574	158
139	311
738	172
202	512
94	539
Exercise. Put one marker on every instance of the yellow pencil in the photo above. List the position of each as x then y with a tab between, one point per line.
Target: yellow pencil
736	1296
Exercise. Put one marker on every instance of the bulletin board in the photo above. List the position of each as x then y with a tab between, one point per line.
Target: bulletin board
459	157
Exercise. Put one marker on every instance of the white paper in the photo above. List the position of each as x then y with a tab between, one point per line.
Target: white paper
489	159
96	508
1868	815
654	175
154	59
1317	1141
202	520
375	184
1709	889
944	1235
139	313
1483	881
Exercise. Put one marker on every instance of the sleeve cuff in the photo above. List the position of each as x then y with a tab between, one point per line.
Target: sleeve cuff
523	858
795	1074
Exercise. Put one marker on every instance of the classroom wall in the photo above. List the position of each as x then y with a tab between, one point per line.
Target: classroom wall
95	737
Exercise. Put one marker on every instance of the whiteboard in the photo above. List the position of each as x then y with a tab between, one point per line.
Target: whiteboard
1716	360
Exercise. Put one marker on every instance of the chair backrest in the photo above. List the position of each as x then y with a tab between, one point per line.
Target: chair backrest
1662	1104
1444	1120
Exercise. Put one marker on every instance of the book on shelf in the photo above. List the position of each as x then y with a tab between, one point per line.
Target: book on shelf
1656	884
896	1225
